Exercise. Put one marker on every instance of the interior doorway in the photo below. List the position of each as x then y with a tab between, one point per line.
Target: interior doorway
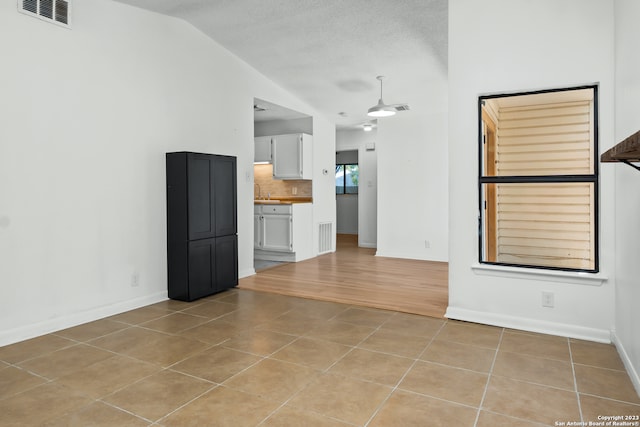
347	178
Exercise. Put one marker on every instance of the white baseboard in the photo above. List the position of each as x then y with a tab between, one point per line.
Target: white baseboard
367	245
246	273
418	257
399	255
45	327
530	325
631	370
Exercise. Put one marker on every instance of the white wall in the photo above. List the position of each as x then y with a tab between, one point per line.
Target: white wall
514	45
87	115
347	213
347	139
413	189
627	320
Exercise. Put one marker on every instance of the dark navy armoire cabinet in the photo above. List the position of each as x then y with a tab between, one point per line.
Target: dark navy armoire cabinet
202	241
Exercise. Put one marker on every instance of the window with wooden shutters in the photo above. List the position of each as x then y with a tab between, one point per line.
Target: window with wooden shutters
538	182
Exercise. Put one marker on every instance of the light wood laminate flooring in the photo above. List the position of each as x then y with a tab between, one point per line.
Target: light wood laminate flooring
354	275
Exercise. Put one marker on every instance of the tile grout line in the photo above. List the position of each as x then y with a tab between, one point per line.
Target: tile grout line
486	387
214	384
575	380
161	369
213	387
122	409
415	361
267	357
326	370
624	402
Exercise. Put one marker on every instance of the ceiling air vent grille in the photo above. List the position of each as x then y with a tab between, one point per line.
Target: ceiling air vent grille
54	11
401	107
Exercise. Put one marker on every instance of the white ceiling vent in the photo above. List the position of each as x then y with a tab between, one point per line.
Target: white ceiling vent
54	11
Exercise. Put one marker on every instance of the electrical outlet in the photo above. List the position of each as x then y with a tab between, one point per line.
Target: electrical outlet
294	190
135	279
547	299
427	244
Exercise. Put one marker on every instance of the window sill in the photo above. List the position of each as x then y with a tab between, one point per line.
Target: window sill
578	278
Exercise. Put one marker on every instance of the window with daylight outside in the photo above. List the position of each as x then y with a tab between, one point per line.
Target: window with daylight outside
538	180
347	179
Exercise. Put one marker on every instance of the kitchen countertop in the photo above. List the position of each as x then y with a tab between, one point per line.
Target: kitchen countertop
275	200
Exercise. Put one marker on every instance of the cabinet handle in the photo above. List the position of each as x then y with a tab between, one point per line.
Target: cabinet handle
300	155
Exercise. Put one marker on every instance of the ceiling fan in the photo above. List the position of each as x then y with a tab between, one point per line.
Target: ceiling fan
384	110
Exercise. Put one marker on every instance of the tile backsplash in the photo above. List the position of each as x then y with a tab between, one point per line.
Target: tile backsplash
263	176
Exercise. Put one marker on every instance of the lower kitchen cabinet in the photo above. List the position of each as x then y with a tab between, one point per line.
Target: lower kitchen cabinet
282	232
277	233
274	228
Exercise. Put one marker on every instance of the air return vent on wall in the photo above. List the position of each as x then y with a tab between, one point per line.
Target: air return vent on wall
54	11
325	237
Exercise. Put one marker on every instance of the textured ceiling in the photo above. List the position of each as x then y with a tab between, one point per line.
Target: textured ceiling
329	52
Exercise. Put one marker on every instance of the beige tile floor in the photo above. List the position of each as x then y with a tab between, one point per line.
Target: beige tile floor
244	358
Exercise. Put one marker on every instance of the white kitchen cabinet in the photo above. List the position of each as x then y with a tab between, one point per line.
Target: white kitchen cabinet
277	233
273	228
292	156
257	231
282	232
262	153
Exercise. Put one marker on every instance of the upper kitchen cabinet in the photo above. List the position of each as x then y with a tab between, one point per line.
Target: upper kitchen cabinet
292	156
262	152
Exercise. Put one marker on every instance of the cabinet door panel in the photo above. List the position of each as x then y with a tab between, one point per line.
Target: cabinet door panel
287	160
178	270
277	233
202	258
201	203
225	195
226	262
177	211
257	232
262	149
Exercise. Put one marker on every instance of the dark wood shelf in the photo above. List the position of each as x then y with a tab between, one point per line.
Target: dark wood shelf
628	150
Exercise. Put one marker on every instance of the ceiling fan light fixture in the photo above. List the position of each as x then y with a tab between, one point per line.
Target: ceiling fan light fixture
382	109
367	127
